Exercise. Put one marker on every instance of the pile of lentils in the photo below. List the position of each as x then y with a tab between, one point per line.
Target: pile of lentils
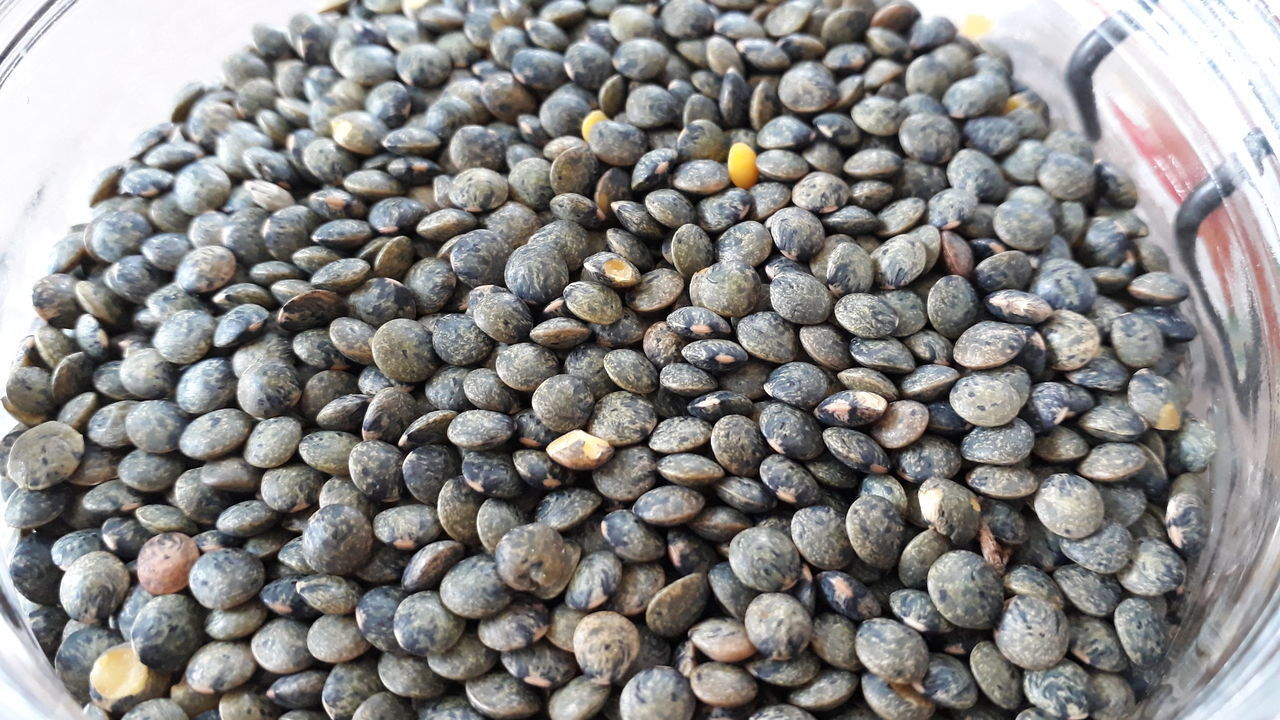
652	361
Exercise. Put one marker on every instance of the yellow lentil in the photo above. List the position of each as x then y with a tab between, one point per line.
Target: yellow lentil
742	166
589	122
975	26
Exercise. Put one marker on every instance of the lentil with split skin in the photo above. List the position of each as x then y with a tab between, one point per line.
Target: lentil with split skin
650	360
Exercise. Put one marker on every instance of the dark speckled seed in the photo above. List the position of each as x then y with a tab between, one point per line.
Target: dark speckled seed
1142	632
1060	691
500	695
617	143
875	531
1066	176
985	400
652	169
657	693
640	58
975	96
879	116
764	559
1006	270
999	680
789	481
778	625
1023	225
807	87
892	651
797	233
563	403
929	138
820	192
660	288
639	583
737	444
952	306
595	581
989	344
1137	341
650	106
781	165
915	609
593	302
93	586
700	177
1112	462
337	540
1002	445
1105	551
1070	340
239	324
790	431
580	699
145	374
948	683
538	69
1087	591
223	579
856	450
472	588
679	434
1032	633
1154	570
847	595
677	606
714	355
46	455
605	644
690	248
424	625
949	509
1069	505
819	536
631	538
631	371
966	590
268	390
1154	398
899	261
1095	643
928	382
1186	523
800	298
767	336
502	316
622	418
724	209
466	660
799	384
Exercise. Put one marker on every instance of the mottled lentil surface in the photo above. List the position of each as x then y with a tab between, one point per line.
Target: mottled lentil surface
647	360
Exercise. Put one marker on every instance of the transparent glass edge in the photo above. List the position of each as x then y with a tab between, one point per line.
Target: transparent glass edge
1242	686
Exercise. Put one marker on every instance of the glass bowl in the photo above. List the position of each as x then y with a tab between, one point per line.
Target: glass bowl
1184	102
